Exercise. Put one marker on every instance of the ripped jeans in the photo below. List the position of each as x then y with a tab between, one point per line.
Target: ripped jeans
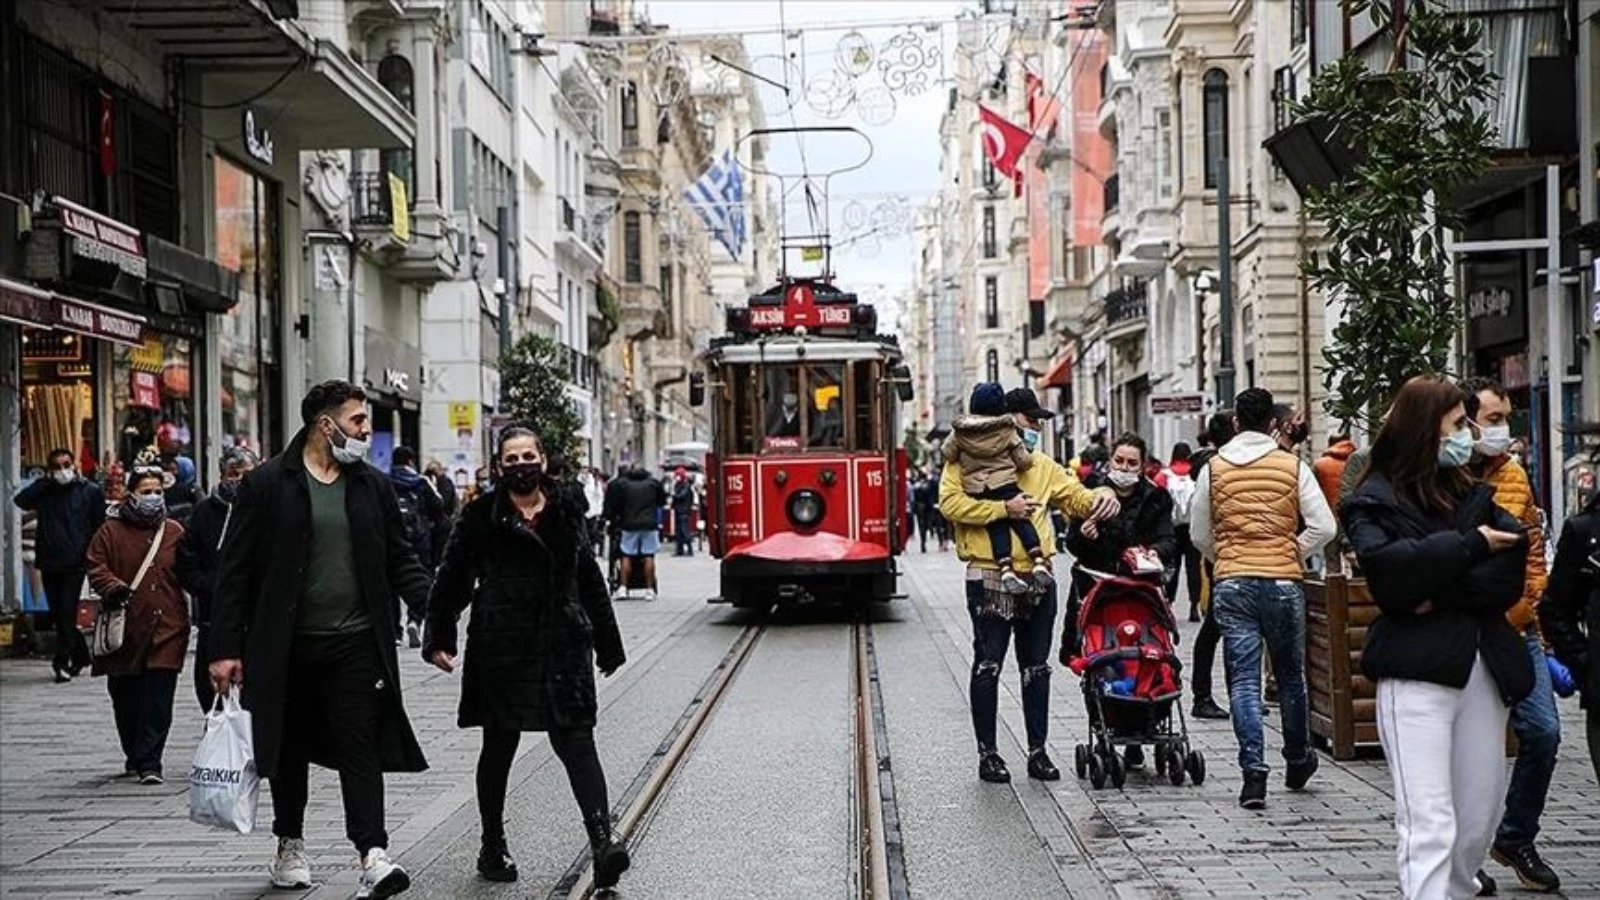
990	636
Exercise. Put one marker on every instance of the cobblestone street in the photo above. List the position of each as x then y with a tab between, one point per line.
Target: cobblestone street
69	829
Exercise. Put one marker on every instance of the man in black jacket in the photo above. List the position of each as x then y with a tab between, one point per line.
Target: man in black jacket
200	553
633	503
683	511
1572	605
304	611
70	510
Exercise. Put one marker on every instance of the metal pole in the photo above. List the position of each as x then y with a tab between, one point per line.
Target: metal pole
1225	370
502	221
1555	315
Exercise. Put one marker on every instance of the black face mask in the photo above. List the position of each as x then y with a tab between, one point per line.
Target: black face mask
523	478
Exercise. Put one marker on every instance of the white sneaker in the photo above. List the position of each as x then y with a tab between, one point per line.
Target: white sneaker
290	868
380	876
650	595
413	635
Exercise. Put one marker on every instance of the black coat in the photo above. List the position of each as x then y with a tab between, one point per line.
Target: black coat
1570	613
200	553
260	583
1409	559
69	515
1144	521
634	500
541	617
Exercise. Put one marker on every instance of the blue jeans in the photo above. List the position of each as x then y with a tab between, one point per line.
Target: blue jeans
1257	613
990	636
680	531
1537	723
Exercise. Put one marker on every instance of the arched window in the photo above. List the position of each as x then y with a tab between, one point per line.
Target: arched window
395	75
1214	108
991	365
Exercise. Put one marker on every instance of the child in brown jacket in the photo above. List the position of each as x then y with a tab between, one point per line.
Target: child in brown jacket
990	452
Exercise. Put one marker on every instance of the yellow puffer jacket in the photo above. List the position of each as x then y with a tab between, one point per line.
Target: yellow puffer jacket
1513	493
1045	481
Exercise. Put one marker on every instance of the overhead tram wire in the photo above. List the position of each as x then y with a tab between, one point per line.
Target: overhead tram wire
925	22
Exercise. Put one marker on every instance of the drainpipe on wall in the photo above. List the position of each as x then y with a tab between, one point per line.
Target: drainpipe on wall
1305	322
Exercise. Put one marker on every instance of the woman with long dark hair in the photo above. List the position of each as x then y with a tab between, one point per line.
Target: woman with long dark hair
1443	563
541	622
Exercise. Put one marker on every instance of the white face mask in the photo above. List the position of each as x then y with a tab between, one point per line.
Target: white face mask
64	476
353	451
1123	480
1493	440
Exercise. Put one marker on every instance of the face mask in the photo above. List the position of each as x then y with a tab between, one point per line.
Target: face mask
145	507
228	491
1122	480
1455	449
1030	439
64	476
354	449
523	478
1494	440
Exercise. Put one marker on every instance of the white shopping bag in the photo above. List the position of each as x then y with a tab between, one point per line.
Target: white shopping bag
223	783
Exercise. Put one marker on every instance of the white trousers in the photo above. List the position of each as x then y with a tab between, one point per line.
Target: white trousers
1446	752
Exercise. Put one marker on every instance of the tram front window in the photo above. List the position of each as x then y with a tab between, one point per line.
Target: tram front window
801	407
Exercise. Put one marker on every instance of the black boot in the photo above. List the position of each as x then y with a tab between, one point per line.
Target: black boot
494	861
610	856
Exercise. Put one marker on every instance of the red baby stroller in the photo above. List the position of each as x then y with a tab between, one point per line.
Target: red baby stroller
1128	661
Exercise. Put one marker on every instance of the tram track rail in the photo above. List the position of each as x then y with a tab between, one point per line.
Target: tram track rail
878	871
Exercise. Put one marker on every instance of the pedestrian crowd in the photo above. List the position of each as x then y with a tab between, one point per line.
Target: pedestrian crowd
300	576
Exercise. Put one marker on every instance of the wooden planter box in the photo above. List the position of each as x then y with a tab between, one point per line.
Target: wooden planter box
1343	702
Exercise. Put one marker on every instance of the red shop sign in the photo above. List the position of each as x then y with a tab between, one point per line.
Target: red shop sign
146	392
99	322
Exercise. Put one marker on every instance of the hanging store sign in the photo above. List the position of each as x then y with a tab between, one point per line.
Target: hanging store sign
1495	299
1177	404
257	141
24	305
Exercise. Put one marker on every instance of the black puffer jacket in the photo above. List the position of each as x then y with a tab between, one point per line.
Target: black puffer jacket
1144	521
541	617
1410	558
633	501
1570	613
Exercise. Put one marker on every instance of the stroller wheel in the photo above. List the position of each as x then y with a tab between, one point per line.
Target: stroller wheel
1097	772
1080	759
1175	769
1197	767
1119	775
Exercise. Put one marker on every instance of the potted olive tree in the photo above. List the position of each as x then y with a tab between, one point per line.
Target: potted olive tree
1414	135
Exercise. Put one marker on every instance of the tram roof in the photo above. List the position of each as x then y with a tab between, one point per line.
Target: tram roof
794	349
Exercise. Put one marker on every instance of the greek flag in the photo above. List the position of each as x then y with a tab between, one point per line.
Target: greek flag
719	199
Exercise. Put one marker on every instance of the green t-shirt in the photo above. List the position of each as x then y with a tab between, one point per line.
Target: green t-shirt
332	603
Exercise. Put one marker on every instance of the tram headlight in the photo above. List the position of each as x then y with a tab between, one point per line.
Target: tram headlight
806	508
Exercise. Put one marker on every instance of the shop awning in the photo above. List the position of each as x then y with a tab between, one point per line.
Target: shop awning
1059	375
24	304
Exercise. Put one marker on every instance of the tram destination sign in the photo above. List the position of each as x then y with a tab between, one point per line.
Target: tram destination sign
802	305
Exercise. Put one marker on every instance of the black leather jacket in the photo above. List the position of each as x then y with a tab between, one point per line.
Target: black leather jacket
1570	612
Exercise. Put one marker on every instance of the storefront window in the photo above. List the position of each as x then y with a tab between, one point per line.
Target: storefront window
247	231
57	397
153	397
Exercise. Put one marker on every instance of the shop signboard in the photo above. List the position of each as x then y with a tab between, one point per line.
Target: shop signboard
463	416
90	235
146	392
24	305
1495	298
99	322
393	368
1177	404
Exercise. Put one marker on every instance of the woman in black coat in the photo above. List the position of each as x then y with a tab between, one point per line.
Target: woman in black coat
1444	564
1570	613
541	622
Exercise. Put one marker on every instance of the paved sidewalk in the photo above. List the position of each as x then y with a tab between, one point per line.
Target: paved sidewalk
1334	840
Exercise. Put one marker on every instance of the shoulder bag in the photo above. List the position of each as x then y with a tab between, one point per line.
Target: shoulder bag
111	624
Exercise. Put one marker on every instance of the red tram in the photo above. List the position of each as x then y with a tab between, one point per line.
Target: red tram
806	496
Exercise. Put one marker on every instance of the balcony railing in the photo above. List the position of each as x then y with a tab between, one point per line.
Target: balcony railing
369	199
569	215
583	370
1126	304
1113	192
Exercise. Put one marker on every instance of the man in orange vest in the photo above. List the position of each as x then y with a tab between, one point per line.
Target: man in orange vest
1246	518
1535	720
1330	466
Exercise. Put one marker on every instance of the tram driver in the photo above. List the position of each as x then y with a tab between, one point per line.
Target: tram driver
785	420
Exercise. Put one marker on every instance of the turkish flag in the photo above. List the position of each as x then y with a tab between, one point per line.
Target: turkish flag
108	147
1003	143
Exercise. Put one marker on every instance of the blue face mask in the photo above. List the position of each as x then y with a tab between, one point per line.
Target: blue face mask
1030	439
1455	450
